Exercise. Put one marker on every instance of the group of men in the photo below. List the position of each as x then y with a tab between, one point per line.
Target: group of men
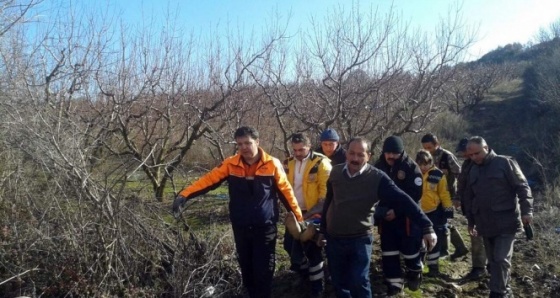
344	196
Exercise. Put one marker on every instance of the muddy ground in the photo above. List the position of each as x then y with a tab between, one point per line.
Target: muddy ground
534	272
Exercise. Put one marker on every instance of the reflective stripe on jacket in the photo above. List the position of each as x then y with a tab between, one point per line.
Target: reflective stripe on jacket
434	191
252	201
315	176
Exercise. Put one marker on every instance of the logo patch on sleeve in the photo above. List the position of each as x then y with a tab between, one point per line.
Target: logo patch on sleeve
418	181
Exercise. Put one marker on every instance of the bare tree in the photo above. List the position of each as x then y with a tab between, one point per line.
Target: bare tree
365	74
472	83
82	101
549	33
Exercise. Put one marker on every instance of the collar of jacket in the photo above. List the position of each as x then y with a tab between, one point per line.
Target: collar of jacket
338	149
312	156
265	157
488	158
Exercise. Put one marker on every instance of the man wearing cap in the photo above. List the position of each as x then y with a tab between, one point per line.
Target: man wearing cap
353	189
307	172
448	163
331	147
478	255
398	234
498	201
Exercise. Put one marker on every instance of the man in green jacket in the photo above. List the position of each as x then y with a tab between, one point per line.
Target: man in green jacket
478	255
498	201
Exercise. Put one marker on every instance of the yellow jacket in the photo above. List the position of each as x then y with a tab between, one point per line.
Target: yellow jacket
435	191
315	176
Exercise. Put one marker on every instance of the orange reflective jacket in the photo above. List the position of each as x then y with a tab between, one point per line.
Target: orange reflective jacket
253	200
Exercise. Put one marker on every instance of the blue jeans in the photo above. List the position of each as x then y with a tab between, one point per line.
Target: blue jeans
349	260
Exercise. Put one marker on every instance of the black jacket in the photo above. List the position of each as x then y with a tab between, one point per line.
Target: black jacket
338	157
406	174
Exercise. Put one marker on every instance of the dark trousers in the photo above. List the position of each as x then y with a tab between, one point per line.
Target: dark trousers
394	242
255	247
432	257
307	259
499	250
478	252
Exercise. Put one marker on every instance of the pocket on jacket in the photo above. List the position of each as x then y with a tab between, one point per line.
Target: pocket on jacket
311	178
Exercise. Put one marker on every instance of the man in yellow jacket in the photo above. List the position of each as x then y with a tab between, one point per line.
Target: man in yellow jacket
435	202
256	181
308	172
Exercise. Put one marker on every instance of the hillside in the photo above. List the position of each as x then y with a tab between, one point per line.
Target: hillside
503	119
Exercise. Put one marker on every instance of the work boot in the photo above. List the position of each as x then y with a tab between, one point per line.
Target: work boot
476	273
413	280
444	248
317	288
457	241
434	271
459	253
393	291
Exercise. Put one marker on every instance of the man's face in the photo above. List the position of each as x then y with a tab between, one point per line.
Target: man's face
356	156
477	152
329	147
248	147
300	150
430	147
390	157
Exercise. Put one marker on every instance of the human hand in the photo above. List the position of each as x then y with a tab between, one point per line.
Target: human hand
457	204
527	219
390	215
472	231
293	226
321	241
430	240
317	209
178	205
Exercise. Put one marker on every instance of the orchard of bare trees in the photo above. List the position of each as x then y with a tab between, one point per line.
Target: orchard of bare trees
89	103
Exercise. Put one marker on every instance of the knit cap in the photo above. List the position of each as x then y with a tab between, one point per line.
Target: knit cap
329	134
393	144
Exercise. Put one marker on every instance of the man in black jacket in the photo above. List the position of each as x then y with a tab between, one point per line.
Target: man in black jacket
330	146
398	234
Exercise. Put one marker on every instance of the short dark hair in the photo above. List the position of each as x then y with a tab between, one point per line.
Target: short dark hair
246	131
300	137
423	157
478	140
359	139
430	138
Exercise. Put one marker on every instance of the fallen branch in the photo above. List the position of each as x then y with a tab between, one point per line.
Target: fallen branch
18	275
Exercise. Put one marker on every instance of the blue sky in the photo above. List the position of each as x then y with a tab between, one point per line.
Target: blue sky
499	22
